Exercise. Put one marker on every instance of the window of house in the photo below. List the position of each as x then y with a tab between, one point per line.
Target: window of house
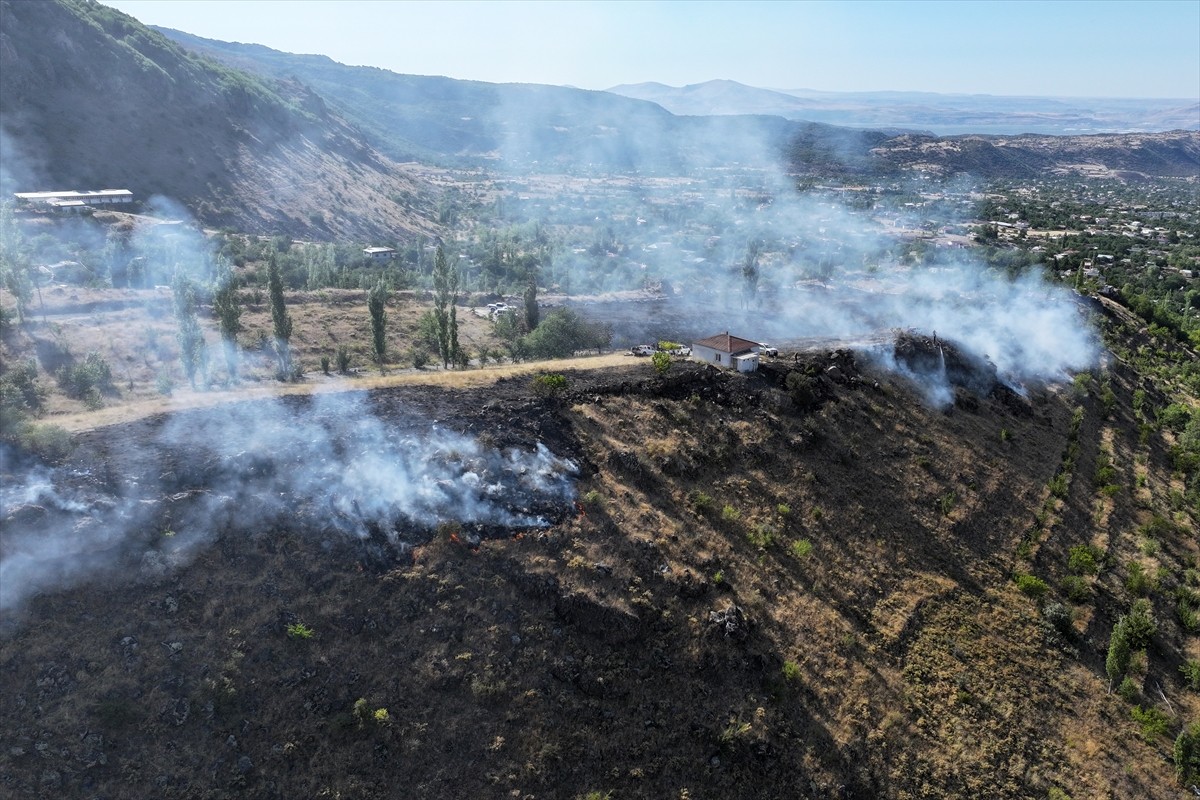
718	357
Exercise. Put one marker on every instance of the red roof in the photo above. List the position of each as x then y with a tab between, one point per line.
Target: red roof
726	343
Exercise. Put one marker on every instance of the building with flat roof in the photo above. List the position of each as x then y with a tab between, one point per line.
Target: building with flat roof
74	200
380	253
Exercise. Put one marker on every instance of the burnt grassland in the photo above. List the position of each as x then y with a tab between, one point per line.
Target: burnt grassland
759	593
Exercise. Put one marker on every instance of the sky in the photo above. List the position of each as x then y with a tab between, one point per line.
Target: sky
1075	48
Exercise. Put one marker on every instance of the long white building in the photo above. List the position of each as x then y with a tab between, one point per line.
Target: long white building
75	200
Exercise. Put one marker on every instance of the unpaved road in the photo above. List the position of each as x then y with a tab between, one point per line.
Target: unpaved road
185	399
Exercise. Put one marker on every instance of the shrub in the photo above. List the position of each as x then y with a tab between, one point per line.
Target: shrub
791	671
661	362
1128	690
343	360
418	357
1032	586
87	379
1152	720
1116	662
1060	618
298	630
1191	674
1187	754
699	501
801	548
1186	604
50	443
783	509
730	514
325	364
761	536
1085	559
1076	589
1137	581
805	391
946	503
1140	624
549	385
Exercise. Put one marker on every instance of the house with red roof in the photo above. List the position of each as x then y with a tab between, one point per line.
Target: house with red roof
727	352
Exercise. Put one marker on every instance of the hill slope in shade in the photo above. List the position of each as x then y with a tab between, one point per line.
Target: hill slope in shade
90	98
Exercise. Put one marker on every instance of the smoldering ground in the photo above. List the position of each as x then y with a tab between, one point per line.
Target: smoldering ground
329	466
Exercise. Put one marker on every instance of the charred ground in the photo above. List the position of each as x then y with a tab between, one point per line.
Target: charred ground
766	587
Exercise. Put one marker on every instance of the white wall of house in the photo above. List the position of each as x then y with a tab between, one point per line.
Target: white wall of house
710	356
746	362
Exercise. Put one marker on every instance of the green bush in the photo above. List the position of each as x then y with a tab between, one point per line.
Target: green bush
1141	624
298	630
1136	579
1085	559
1032	586
761	536
791	671
87	379
1187	754
730	514
1152	721
549	385
1191	674
801	548
661	362
1076	589
699	501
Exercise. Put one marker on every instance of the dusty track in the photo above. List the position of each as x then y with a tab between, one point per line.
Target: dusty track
187	399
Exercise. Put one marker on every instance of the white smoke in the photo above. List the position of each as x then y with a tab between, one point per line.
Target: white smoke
332	468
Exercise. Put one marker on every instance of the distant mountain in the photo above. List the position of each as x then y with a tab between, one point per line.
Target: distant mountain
514	126
90	98
943	114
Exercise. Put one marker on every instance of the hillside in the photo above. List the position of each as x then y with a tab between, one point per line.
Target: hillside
944	114
695	585
1171	154
514	126
90	98
548	128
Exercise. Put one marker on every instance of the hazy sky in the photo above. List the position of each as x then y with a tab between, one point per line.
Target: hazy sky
1096	48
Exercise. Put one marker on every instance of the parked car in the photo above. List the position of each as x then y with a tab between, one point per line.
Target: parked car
766	350
643	350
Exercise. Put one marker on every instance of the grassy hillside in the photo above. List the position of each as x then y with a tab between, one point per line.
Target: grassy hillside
810	589
90	98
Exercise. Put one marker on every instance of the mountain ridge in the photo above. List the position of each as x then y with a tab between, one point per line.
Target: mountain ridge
236	150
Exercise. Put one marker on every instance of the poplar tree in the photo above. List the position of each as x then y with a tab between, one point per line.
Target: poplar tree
445	315
377	305
192	351
281	320
228	312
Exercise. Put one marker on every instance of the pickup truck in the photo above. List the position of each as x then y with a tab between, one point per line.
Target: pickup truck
643	350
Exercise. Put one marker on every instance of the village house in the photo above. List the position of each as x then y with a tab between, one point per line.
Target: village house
727	352
380	253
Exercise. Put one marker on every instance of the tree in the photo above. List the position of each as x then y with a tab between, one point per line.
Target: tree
193	354
228	312
1187	754
750	273
561	334
377	305
661	361
445	315
531	305
280	319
